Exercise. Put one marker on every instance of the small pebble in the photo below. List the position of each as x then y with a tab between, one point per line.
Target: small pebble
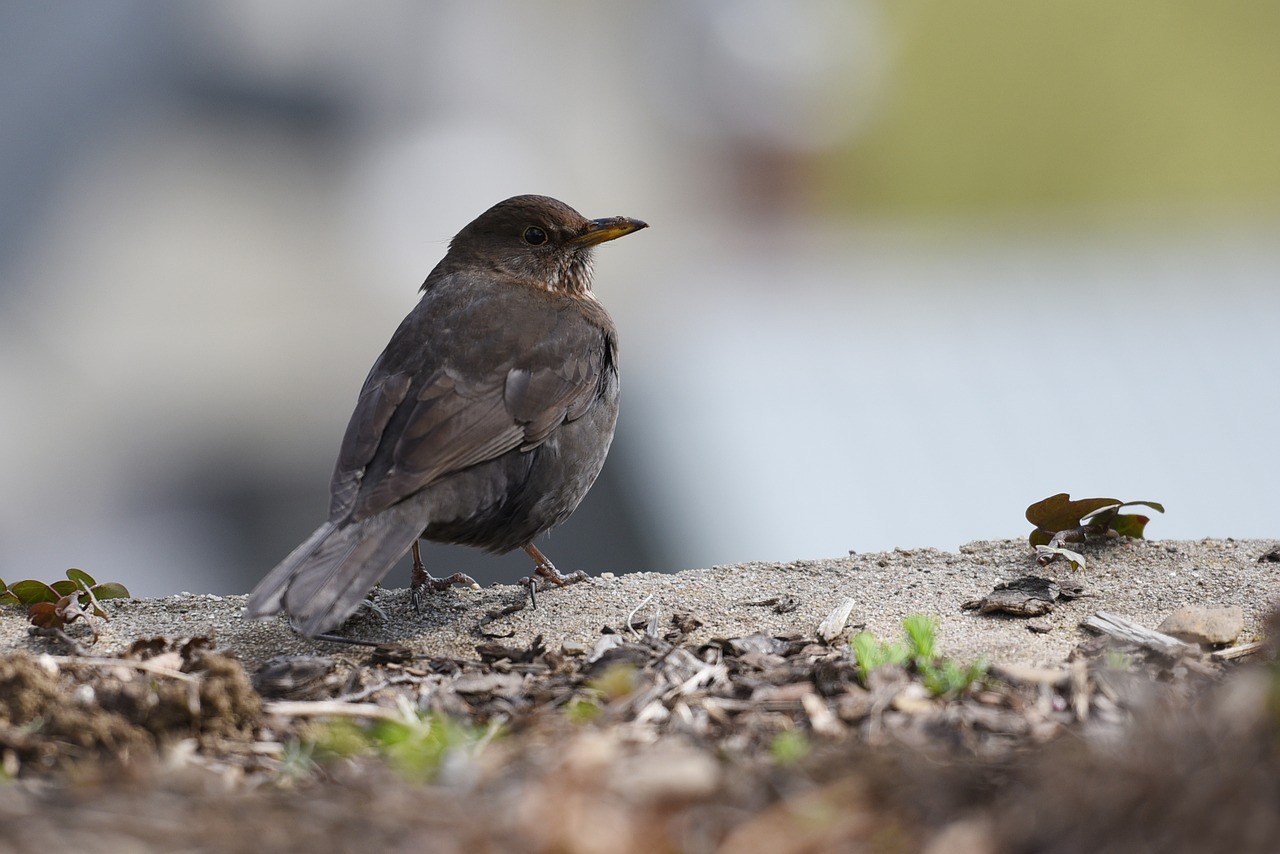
1213	626
573	647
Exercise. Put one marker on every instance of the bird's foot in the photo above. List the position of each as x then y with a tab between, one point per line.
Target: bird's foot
544	569
421	581
551	575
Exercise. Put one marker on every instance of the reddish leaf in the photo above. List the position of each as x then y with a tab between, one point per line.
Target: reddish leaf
1059	512
1130	525
45	615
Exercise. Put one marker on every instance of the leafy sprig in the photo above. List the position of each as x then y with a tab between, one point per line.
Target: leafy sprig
54	605
1058	520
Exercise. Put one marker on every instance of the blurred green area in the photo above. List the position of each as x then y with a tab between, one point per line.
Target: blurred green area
1089	107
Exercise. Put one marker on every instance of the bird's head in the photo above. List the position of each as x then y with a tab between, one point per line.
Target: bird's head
536	239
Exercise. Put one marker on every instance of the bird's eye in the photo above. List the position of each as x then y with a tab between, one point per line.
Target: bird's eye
535	236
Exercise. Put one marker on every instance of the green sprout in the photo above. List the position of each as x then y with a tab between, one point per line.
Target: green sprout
940	676
789	747
416	746
582	710
617	681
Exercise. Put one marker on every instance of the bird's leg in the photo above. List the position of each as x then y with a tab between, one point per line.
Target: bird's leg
420	580
546	569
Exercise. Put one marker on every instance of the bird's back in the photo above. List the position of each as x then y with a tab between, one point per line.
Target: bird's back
480	370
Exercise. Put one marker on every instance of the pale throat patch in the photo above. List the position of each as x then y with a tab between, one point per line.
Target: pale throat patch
572	275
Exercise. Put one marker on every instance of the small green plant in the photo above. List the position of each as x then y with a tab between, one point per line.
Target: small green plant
939	675
1060	520
617	681
582	710
54	605
337	739
298	762
872	653
789	747
415	746
1114	659
948	677
922	632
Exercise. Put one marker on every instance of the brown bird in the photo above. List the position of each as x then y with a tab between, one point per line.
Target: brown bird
483	423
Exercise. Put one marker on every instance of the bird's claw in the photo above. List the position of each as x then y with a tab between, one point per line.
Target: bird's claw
430	582
543	568
552	576
421	580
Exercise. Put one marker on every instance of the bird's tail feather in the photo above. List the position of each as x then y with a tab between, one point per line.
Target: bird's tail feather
267	598
322	581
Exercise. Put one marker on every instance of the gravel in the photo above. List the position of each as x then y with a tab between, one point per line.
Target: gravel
1142	580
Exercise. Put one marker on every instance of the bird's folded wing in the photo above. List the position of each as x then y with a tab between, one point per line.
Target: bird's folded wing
449	425
379	399
541	400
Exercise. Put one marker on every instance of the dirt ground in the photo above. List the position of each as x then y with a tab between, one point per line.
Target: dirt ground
708	710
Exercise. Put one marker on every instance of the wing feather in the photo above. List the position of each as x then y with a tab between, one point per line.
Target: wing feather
421	416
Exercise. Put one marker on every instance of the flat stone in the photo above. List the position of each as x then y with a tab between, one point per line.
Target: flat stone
854	704
489	684
573	647
1207	625
666	771
1026	674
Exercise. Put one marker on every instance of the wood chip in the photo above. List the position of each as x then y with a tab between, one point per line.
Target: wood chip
820	716
489	684
1029	596
1244	650
830	628
1080	689
330	708
606	643
1022	674
914	700
1113	625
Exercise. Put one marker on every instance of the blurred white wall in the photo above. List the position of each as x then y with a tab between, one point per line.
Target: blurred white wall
212	216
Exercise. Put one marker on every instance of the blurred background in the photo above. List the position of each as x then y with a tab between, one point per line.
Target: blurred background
912	266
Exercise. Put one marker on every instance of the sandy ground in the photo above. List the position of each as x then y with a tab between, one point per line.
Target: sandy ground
671	759
1143	581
